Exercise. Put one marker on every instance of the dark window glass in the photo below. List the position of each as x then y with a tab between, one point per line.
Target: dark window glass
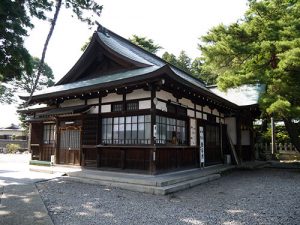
212	135
49	134
127	130
70	139
181	111
211	118
117	107
171	131
171	108
107	130
130	106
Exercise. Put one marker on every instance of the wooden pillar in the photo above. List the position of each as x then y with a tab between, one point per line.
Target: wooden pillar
99	134
153	154
221	137
81	156
29	139
251	133
57	141
238	137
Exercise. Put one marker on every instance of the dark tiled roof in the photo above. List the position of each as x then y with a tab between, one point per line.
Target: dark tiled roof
65	110
120	46
103	79
129	50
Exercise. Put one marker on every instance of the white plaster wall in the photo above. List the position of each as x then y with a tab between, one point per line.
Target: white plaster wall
161	106
145	104
245	137
193	133
215	112
222	114
165	95
198	115
204	116
94	110
105	108
217	120
113	97
186	102
231	128
137	94
206	109
199	107
72	102
191	113
93	101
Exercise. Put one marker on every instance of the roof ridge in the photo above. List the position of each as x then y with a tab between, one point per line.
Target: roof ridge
104	30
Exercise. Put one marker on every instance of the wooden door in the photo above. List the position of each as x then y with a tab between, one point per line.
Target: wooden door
70	142
213	154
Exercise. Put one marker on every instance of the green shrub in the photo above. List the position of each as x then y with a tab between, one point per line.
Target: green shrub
12	148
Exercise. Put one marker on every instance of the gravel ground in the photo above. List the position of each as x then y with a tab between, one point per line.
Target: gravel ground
265	196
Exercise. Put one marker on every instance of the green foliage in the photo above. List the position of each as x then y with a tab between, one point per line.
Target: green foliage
26	81
83	8
15	20
145	43
170	58
86	44
264	48
281	135
183	61
12	148
6	94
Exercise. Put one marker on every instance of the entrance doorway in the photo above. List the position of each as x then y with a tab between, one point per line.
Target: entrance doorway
69	148
213	153
209	142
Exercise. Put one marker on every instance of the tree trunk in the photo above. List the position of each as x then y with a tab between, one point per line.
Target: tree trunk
293	132
41	64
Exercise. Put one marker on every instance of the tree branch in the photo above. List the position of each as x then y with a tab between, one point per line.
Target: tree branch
42	61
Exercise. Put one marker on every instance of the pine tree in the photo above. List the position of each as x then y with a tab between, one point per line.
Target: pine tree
262	48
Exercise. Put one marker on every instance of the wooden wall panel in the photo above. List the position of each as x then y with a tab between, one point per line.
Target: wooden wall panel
36	133
176	158
89	131
125	158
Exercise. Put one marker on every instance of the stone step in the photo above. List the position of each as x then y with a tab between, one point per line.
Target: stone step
191	175
179	186
150	180
136	179
185	185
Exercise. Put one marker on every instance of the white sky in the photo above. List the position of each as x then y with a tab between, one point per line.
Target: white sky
173	24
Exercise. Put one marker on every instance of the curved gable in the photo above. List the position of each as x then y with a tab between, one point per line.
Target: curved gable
100	58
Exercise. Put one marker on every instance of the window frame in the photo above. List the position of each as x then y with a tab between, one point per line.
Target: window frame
49	133
136	122
166	126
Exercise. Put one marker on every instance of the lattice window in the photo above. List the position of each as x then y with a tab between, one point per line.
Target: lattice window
171	131
127	130
49	134
131	106
117	107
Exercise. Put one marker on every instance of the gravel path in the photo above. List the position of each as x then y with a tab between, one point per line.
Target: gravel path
266	196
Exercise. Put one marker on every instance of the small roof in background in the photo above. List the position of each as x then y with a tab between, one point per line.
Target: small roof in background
13	127
242	96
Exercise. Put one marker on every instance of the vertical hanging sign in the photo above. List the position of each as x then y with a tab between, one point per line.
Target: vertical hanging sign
201	146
